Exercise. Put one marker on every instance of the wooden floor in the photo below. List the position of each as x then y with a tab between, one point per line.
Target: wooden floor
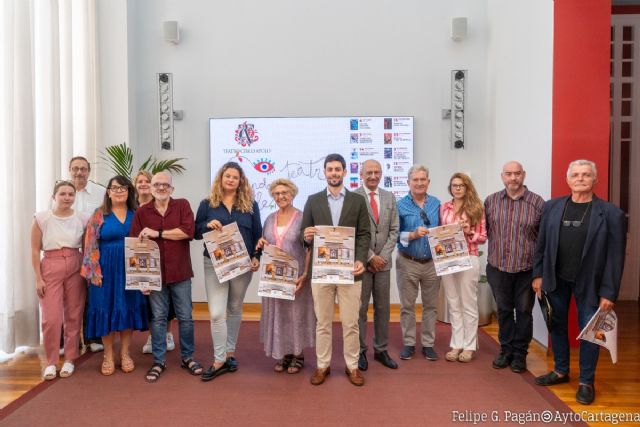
616	385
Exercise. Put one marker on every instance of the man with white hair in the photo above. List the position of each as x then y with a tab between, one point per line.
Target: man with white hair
580	251
89	196
170	223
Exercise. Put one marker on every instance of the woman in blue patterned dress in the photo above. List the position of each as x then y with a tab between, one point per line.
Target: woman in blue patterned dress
112	310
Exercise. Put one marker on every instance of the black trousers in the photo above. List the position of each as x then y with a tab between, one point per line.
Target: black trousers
514	297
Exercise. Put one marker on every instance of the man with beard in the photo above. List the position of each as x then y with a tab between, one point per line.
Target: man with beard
513	218
383	218
339	207
169	222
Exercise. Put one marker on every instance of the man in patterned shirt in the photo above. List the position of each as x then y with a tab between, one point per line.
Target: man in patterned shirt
513	219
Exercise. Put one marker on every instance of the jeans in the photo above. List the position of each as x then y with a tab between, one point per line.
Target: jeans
513	293
559	300
181	296
461	292
225	308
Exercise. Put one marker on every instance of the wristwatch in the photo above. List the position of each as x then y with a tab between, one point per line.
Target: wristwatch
159	234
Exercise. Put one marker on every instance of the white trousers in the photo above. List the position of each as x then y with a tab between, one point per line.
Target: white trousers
461	291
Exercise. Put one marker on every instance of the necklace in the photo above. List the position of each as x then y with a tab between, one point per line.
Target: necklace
568	223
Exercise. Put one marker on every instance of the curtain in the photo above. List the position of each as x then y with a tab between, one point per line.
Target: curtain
48	92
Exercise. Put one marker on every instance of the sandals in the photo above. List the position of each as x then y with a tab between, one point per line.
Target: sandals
297	363
283	363
192	366
126	363
453	354
466	356
49	373
153	374
67	369
108	367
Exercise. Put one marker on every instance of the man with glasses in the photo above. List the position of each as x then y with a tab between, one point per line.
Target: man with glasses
89	196
383	218
415	271
580	251
170	223
513	218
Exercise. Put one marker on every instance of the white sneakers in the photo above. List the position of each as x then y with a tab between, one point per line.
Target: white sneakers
146	348
171	345
67	369
95	347
49	373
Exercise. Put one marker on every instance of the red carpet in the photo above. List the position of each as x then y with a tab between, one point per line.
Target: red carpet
418	393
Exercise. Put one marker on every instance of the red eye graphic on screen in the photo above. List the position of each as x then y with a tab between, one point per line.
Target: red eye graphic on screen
264	165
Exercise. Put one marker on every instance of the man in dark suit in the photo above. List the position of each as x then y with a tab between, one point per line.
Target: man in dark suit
339	207
580	251
383	218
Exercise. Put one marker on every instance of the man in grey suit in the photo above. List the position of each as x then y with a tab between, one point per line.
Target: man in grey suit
339	207
383	217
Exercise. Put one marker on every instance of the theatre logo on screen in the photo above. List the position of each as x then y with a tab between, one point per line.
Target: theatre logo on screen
246	134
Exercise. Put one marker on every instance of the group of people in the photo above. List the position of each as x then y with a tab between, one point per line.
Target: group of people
568	245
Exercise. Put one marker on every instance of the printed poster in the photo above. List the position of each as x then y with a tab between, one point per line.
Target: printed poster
333	255
228	252
602	329
278	274
142	264
449	249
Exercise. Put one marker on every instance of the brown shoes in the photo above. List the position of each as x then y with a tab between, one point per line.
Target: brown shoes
320	375
355	376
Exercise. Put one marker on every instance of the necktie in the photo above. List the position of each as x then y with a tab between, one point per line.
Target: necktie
374	206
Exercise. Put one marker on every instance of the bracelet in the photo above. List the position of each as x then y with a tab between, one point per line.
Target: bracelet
159	234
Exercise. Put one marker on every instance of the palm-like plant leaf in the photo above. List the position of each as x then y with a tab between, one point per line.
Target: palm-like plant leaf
119	158
171	165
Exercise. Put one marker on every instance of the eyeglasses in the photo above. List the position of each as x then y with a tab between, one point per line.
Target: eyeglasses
119	188
280	194
161	186
458	186
568	223
77	169
425	218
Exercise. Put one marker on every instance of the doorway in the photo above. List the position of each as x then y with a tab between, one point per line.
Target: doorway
625	150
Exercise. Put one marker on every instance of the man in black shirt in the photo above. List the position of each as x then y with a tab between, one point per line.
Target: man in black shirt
580	251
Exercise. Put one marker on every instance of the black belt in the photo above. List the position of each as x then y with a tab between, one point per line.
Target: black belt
421	261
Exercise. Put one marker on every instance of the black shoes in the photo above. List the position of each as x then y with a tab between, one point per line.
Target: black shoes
407	352
232	363
551	379
518	365
363	363
502	361
384	358
430	354
212	373
585	394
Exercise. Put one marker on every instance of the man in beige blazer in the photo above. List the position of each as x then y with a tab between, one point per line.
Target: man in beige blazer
383	218
339	207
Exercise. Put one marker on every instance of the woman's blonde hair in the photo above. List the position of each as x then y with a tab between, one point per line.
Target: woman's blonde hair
293	189
244	194
147	174
471	203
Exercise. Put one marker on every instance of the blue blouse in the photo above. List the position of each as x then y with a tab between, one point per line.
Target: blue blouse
248	223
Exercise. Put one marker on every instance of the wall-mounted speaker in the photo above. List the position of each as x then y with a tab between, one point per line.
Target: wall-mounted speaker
171	32
458	28
165	109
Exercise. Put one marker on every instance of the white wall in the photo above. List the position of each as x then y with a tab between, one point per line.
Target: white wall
288	58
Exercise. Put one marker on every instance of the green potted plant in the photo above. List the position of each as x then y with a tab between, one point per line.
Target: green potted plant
119	158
